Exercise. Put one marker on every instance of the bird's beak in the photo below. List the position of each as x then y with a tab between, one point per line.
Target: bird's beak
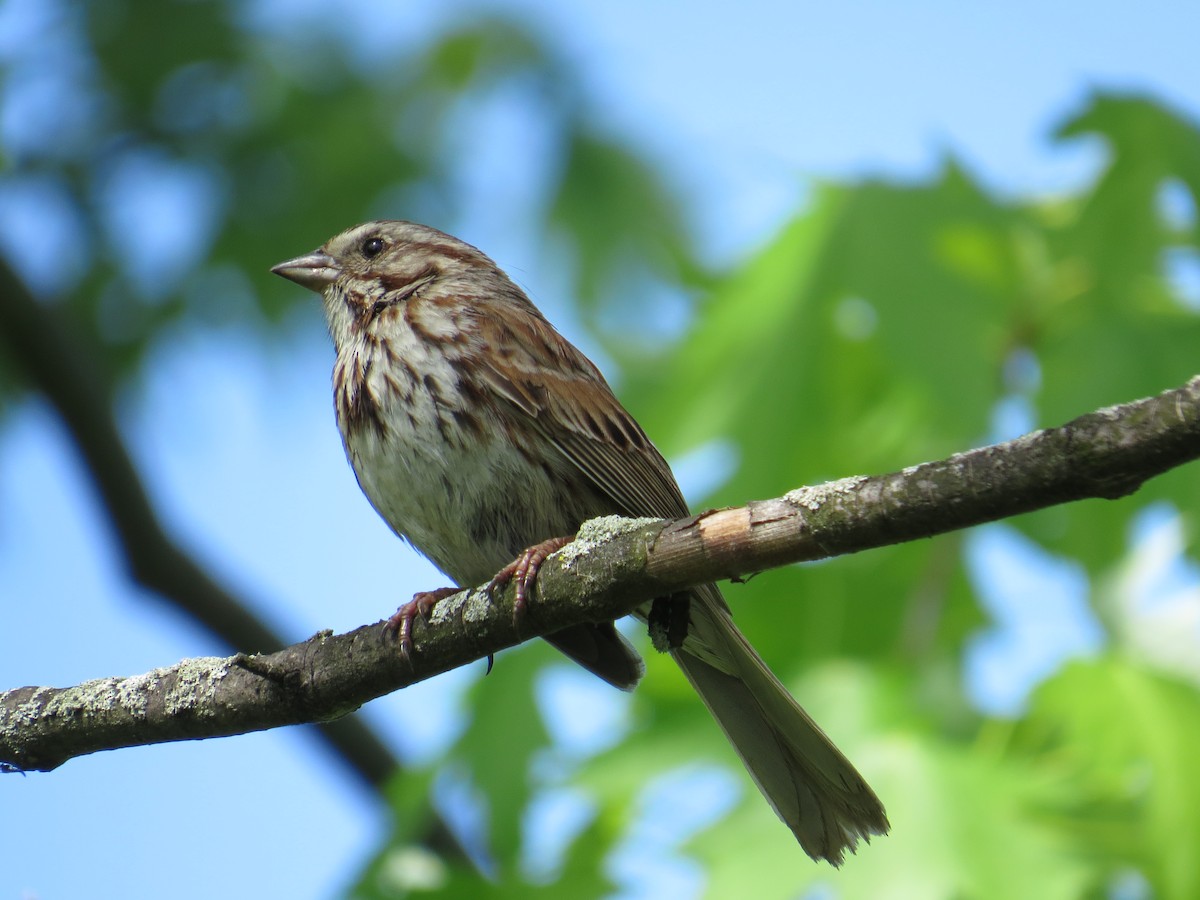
316	271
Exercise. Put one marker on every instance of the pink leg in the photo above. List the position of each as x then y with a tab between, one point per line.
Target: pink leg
421	605
523	571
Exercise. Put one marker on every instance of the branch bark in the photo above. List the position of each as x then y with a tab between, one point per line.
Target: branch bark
612	567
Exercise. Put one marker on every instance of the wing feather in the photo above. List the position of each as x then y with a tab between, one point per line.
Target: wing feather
570	404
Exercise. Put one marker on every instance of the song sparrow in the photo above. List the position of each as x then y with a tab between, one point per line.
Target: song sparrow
476	430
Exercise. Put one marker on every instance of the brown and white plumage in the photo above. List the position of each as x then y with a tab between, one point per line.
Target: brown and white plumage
476	430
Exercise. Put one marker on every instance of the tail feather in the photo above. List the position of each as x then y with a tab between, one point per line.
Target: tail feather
813	788
603	651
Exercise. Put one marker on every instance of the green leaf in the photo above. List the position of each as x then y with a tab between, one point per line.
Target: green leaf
1122	742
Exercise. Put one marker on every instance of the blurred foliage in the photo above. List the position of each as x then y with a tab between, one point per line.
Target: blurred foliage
885	324
271	133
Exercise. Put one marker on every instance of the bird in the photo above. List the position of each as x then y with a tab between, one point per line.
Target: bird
485	439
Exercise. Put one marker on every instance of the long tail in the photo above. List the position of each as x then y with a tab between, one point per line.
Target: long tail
809	783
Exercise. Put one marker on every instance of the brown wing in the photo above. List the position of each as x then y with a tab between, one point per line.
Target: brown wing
568	402
572	406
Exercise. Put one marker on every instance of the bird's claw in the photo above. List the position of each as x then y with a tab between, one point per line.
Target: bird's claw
401	622
522	573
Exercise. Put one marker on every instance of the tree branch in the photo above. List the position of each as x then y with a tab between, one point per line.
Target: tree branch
613	567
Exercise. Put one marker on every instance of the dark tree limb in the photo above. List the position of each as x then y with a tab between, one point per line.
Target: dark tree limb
56	362
613	567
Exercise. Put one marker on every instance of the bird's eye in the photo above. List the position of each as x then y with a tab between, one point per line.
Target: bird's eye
372	247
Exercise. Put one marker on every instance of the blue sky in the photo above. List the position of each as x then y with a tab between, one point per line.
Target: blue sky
742	103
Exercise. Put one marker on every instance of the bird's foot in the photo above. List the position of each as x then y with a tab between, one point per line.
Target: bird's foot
401	622
522	572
